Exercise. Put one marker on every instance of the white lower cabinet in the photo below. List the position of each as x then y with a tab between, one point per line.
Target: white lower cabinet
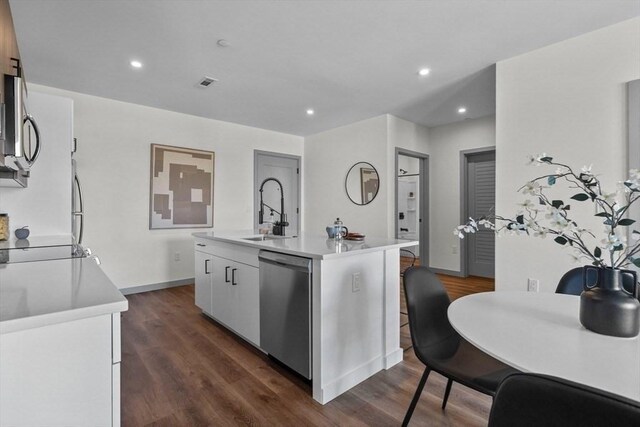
203	263
66	374
228	290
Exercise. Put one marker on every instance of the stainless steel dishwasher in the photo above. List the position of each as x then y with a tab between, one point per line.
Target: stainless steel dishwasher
285	309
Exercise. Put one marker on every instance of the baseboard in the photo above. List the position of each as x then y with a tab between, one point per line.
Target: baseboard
447	272
156	286
393	358
338	386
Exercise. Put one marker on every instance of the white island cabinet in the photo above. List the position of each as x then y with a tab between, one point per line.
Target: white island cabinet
355	299
59	344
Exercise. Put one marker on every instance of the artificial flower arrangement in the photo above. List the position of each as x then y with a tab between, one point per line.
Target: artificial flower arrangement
542	216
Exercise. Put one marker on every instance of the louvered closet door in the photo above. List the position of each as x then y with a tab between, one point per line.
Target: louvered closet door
481	198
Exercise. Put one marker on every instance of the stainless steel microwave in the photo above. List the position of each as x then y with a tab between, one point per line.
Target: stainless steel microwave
19	135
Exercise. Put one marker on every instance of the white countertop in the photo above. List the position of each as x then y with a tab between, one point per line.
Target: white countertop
541	332
38	241
41	293
307	245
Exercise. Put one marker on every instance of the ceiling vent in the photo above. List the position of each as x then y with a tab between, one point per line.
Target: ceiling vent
206	81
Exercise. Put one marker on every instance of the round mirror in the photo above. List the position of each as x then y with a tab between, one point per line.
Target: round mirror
362	183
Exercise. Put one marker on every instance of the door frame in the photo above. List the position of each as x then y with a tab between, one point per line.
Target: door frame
464	164
256	184
423	233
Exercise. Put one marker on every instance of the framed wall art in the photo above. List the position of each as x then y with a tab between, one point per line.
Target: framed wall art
181	194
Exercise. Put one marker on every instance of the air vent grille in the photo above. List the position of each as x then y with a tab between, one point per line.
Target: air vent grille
207	81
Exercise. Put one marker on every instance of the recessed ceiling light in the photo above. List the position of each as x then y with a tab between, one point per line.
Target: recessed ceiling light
462	110
310	112
136	64
424	71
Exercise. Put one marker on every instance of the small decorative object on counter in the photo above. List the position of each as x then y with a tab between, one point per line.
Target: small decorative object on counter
339	230
4	226
354	236
22	233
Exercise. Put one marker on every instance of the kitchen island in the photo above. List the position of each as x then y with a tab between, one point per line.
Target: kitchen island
59	344
355	299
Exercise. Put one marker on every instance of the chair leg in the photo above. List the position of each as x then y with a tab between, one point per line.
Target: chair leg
446	393
416	397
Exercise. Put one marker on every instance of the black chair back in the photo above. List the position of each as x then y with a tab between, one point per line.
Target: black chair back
571	282
427	304
525	400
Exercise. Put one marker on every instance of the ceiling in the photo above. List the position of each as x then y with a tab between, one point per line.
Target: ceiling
348	60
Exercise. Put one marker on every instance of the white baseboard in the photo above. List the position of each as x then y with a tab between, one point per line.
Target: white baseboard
347	381
156	286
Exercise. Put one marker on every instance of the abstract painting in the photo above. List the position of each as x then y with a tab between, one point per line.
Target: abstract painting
181	187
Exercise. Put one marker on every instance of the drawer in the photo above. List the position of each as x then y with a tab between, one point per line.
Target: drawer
233	252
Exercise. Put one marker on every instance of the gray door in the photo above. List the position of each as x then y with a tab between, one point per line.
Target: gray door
481	199
286	169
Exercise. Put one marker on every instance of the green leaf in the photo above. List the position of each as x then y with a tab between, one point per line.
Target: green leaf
618	248
557	203
636	262
520	219
581	197
603	214
607	222
626	221
546	159
560	240
597	252
551	180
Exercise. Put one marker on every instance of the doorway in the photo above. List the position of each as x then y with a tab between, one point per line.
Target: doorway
286	169
412	202
478	198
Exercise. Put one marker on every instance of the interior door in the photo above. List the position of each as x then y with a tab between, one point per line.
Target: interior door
481	198
285	169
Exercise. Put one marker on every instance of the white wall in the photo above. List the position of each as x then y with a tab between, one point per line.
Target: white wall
113	163
567	100
445	144
329	155
327	158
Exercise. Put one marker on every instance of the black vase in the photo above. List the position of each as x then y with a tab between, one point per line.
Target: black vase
605	306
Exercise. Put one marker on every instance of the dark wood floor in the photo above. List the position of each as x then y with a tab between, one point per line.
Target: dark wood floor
180	368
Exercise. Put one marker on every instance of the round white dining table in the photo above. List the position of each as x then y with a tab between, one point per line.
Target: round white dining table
541	333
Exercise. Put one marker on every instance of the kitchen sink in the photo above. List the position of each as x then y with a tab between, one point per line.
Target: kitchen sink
263	237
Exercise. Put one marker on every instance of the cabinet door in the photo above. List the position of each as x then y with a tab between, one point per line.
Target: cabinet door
246	297
221	293
203	264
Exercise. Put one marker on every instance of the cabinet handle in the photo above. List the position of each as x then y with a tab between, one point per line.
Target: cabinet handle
206	266
226	274
233	276
201	244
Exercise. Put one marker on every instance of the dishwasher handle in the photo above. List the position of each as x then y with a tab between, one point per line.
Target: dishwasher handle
288	261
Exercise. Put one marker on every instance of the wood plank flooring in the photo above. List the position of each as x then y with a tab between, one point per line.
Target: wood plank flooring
180	368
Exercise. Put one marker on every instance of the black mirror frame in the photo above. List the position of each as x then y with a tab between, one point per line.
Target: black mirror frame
346	190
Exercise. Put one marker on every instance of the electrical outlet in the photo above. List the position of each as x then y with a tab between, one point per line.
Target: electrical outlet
176	256
533	285
454	249
355	282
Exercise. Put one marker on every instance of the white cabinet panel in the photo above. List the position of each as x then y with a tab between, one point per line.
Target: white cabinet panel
115	386
203	272
247	302
58	375
228	289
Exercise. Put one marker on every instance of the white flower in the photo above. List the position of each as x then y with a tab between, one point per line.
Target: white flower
532	188
612	241
487	224
609	198
634	179
527	204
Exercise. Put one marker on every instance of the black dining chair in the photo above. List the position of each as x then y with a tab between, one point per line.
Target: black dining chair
571	282
438	345
528	400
